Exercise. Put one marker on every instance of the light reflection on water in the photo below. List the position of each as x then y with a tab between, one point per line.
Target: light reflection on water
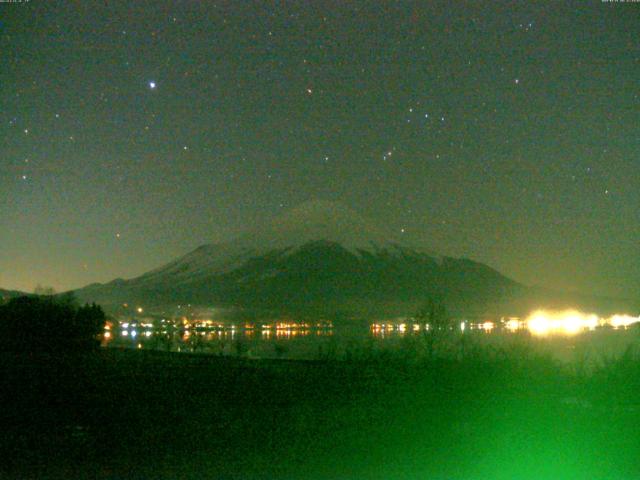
274	342
538	323
567	336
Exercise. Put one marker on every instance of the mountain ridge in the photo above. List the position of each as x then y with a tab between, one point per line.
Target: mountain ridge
321	258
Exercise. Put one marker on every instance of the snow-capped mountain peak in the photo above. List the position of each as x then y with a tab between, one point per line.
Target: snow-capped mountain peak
312	221
319	220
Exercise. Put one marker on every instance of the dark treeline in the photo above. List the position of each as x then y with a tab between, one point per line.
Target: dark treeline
489	414
437	408
47	323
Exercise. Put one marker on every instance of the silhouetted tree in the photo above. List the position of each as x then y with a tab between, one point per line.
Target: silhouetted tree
88	324
47	323
434	312
41	290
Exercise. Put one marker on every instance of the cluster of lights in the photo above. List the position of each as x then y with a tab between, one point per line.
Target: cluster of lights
207	324
513	324
570	322
622	321
288	333
382	328
388	327
210	327
540	322
485	326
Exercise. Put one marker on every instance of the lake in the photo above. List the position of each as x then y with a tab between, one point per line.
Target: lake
591	344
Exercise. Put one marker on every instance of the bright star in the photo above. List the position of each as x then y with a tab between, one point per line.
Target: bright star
152	85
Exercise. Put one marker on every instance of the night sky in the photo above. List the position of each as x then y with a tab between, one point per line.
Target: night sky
507	132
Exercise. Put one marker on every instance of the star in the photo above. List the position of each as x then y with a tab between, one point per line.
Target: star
152	85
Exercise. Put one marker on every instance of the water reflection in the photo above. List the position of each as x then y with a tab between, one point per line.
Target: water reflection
538	323
205	336
307	340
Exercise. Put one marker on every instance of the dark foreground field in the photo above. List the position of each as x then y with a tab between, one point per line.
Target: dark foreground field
489	415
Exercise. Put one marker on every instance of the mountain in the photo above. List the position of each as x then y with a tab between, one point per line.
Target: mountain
318	259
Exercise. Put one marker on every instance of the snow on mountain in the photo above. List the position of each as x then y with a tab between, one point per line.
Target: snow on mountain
320	220
324	259
320	257
313	221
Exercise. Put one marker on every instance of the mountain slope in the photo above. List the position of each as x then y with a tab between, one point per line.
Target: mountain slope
320	258
311	222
